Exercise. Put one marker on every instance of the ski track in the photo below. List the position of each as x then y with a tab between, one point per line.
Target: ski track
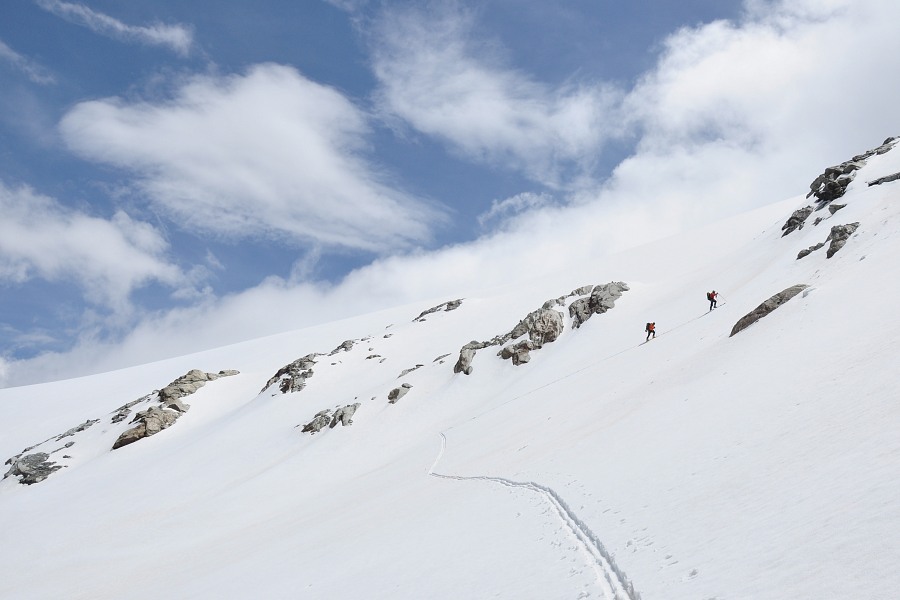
610	578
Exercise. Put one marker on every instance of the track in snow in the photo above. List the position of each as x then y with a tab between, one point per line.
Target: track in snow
614	583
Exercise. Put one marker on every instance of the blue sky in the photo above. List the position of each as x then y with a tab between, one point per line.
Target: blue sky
180	175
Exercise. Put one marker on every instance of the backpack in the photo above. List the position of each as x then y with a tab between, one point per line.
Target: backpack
649	327
709	295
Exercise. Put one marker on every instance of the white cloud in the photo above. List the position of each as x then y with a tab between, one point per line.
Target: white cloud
179	38
107	259
436	77
734	116
35	72
269	153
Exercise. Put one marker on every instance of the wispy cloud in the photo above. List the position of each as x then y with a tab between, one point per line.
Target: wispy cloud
106	259
28	67
437	77
179	38
269	153
509	207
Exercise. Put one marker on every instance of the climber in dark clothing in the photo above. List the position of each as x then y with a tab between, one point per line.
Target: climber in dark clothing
651	330
711	296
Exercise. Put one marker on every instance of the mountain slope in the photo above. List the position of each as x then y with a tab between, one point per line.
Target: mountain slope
696	465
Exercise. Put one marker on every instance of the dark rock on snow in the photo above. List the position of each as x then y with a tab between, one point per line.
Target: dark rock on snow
445	306
809	250
796	220
839	236
886	179
395	394
602	298
766	307
32	468
293	376
319	422
344	415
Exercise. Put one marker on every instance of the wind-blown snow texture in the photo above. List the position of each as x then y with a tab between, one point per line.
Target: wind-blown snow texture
694	466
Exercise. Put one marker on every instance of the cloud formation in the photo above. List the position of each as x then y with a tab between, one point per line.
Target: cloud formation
435	76
179	38
734	115
35	72
108	259
269	153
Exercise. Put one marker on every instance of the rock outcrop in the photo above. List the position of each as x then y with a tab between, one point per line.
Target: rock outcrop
839	236
344	415
602	298
796	220
395	394
544	325
444	306
31	468
885	179
832	184
345	346
766	307
292	377
319	422
149	422
810	250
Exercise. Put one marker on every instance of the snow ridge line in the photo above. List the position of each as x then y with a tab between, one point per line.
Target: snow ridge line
616	584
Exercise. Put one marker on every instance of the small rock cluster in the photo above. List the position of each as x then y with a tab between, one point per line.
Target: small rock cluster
444	306
838	237
292	377
544	325
832	184
34	467
342	415
395	394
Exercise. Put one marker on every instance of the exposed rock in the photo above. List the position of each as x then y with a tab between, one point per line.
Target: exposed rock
766	307
833	208
397	393
839	236
832	184
344	415
294	375
519	352
466	356
408	371
32	468
602	298
809	250
149	422
373	356
77	429
440	358
886	179
319	422
796	220
345	346
121	413
542	326
445	306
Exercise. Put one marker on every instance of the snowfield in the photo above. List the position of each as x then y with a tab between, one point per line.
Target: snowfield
762	466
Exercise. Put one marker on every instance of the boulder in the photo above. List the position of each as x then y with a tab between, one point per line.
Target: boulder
796	220
766	307
395	394
839	236
345	346
444	306
542	326
466	356
833	208
344	415
518	352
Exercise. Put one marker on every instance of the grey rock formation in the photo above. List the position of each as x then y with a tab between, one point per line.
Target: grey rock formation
518	352
408	371
466	356
839	236
444	306
885	179
293	376
832	184
542	326
121	413
440	359
31	468
345	346
833	208
395	394
319	422
149	422
796	220
809	250
602	298
766	307
344	415
77	429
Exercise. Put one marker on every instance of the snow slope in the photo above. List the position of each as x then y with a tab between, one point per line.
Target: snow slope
695	466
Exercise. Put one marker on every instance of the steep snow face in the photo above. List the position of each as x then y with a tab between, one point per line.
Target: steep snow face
696	465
